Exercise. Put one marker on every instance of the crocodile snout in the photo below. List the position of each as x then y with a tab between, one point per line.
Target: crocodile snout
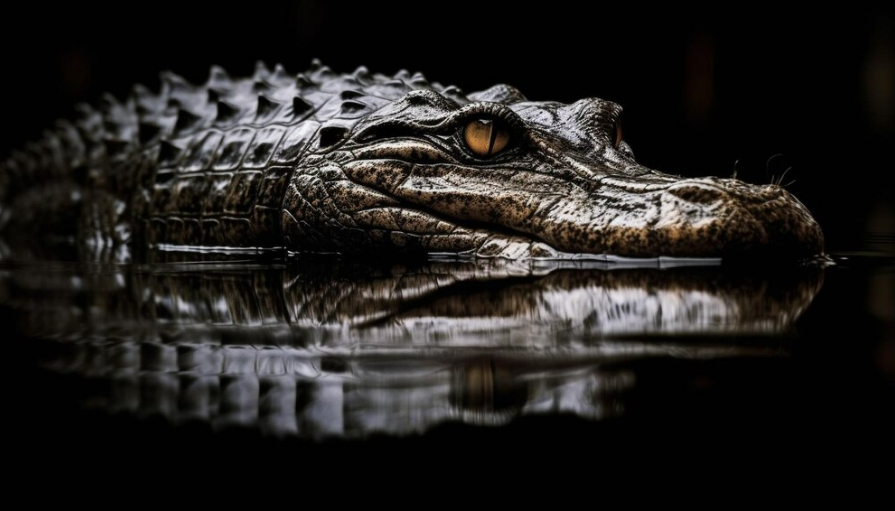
736	218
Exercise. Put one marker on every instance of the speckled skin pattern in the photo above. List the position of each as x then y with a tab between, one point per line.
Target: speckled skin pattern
367	164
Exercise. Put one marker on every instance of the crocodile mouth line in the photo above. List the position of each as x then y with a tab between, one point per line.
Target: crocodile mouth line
472	226
602	260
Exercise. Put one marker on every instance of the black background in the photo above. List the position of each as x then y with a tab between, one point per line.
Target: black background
702	89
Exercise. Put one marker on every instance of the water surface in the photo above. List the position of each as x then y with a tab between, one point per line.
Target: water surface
327	350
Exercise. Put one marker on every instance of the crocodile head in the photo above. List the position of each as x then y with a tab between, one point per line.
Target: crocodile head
495	175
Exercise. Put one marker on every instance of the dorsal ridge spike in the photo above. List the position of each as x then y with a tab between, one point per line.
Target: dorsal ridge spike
225	111
140	91
396	84
148	131
261	71
266	105
301	106
331	135
173	79
302	81
107	100
213	95
185	120
218	77
168	153
322	73
351	106
261	85
279	73
418	80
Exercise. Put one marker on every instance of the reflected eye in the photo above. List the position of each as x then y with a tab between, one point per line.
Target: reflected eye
618	135
486	137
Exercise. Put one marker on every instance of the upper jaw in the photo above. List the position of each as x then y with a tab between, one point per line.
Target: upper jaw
633	212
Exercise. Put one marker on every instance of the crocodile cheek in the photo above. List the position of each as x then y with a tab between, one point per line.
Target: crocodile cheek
408	229
504	198
492	213
384	175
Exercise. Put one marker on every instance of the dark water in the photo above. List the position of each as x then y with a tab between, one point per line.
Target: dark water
321	351
313	356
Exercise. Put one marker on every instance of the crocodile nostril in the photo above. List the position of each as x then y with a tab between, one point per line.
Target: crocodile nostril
697	194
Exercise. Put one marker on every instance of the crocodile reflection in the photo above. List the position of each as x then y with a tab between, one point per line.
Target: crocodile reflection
320	351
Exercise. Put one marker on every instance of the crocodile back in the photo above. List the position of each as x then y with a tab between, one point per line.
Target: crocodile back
193	164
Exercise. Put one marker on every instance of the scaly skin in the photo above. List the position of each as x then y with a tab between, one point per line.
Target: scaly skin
367	164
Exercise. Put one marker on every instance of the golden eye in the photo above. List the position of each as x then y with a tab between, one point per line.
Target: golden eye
618	134
486	137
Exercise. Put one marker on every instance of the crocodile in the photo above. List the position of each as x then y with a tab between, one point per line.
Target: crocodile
369	164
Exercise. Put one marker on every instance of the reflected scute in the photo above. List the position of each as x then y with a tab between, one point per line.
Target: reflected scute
320	349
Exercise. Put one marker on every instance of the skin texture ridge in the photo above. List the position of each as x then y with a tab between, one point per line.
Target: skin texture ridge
363	164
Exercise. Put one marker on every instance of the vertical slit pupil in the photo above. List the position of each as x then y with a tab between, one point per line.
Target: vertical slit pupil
485	137
492	138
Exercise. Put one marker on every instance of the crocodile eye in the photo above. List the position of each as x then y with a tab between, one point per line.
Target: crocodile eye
618	135
486	137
